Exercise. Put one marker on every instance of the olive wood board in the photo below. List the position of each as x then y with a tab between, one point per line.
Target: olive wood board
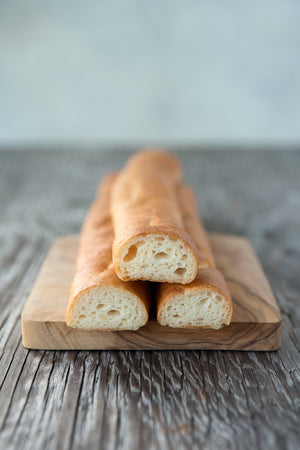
255	325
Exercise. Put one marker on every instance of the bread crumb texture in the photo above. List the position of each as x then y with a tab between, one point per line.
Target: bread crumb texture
202	308
107	308
157	257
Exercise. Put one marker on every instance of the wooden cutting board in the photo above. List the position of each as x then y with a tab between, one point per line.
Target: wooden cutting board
256	322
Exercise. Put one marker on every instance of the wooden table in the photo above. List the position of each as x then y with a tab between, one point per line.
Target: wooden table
149	399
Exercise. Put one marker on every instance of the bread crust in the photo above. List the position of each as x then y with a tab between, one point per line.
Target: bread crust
208	278
94	267
188	205
144	202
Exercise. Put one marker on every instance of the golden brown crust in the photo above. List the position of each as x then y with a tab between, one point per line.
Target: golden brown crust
193	225
94	260
144	201
97	235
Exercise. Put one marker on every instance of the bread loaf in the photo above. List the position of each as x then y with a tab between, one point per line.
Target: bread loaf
150	240
98	298
206	301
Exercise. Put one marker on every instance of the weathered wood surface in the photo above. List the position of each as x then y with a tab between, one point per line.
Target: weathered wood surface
149	399
255	325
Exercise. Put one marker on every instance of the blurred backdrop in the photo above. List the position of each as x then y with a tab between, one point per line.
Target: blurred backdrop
141	72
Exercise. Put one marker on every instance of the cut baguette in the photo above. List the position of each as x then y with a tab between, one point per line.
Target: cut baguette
206	302
150	240
99	300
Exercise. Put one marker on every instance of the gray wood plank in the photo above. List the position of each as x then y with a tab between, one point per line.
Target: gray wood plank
171	399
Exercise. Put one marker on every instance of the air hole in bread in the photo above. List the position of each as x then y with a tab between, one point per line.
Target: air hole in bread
113	312
160	255
180	271
131	253
82	316
100	306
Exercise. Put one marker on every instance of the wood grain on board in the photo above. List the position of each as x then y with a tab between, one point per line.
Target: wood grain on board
256	322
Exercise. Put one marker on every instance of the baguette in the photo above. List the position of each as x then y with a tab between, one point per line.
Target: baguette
150	240
98	298
204	303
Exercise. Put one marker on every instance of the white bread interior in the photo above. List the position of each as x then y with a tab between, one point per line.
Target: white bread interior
107	308
157	257
197	308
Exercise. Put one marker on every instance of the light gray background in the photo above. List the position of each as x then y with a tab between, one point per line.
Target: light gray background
149	72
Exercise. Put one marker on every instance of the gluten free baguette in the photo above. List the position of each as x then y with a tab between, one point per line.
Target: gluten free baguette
206	302
98	298
150	240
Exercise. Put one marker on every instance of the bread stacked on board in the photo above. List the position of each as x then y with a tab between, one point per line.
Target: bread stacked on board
143	227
